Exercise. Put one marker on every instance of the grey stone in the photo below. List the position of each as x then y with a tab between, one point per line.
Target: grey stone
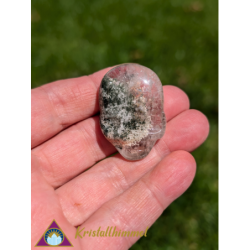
131	109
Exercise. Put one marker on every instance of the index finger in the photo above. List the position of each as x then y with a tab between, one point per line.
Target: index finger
60	104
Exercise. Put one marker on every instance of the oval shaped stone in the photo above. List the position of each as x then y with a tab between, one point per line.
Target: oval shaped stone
131	109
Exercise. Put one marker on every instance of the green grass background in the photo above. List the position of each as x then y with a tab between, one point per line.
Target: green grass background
178	39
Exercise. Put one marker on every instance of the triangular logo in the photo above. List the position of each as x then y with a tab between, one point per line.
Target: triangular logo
54	237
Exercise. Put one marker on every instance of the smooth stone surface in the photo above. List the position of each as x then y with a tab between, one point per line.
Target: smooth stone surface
131	109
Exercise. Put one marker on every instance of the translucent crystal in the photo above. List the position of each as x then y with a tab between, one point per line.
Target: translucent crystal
131	109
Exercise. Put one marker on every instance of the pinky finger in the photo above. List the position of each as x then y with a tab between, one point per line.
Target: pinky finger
139	207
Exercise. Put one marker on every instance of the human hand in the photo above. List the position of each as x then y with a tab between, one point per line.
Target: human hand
67	140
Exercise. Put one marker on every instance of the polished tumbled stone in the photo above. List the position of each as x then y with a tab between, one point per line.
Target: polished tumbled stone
131	109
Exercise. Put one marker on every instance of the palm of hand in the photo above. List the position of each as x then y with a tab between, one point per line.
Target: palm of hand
66	140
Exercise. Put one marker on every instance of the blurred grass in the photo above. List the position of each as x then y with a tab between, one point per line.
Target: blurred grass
178	39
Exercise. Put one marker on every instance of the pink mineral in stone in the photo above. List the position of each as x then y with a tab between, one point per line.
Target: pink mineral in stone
131	109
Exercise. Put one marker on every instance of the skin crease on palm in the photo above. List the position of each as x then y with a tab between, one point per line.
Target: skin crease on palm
67	140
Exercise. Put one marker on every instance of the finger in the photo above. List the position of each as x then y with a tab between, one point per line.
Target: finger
82	145
59	104
109	178
139	207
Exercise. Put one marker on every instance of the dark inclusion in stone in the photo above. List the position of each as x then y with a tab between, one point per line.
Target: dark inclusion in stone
131	109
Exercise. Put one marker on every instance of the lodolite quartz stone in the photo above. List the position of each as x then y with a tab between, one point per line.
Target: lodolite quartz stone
131	109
